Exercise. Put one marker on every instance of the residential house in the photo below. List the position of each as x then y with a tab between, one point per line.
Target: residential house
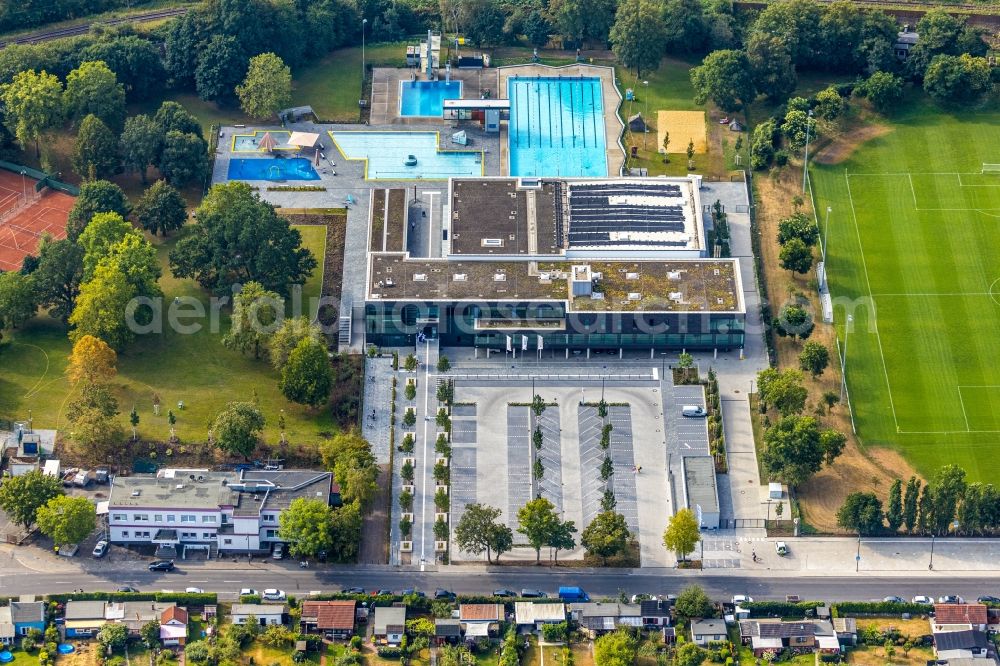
173	626
27	615
390	624
84	618
6	626
209	511
479	620
447	631
655	613
596	618
958	617
528	614
334	619
772	634
966	644
846	629
705	631
135	614
905	41
265	614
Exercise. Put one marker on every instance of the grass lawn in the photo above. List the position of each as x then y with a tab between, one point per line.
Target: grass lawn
88	656
195	368
865	655
912	257
267	656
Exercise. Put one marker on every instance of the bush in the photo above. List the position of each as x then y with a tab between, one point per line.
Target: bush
876	608
781	608
555	633
781	158
390	652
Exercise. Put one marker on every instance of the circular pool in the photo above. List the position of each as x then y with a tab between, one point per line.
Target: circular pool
65	648
6	657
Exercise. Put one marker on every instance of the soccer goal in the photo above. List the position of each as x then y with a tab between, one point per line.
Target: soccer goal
991	168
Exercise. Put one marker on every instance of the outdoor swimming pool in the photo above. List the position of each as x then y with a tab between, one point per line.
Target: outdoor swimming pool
250	143
295	168
387	154
426	98
556	127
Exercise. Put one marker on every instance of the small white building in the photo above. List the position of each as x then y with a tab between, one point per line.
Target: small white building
389	624
265	614
705	631
6	626
528	614
701	495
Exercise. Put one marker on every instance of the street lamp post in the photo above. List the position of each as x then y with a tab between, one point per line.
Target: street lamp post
805	162
857	558
930	566
645	96
826	229
843	361
364	22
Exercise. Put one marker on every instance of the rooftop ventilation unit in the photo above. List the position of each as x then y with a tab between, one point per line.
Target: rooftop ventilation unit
673	275
676	296
631	276
499	277
460	277
420	277
136	493
634	296
492	242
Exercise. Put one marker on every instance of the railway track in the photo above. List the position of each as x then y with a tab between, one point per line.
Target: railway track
84	28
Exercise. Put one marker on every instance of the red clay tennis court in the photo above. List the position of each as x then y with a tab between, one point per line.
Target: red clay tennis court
26	216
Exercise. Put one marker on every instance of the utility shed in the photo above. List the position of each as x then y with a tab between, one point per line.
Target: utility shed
701	494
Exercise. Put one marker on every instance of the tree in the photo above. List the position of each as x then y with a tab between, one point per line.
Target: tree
238	427
92	361
959	81
925	509
861	513
692	602
795	449
724	77
682	533
910	503
257	313
307	378
537	29
17	299
689	654
942	34
798	225
795	127
267	87
479	531
266	249
305	525
762	144
67	520
140	143
32	105
814	358
606	535
346	530
288	336
884	90
172	117
222	64
410	363
95	153
150	634
797	24
96	196
112	636
794	320
93	89
443	365
782	390
96	433
638	35
161	209
894	511
537	520
584	20
829	104
617	648
184	158
455	655
56	278
686	24
354	466
562	537
796	256
666	146
101	306
485	26
22	496
135	61
949	487
771	66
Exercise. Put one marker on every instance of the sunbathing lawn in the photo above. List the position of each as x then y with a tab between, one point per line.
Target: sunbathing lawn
268	656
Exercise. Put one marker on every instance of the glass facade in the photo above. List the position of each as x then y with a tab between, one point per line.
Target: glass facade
487	324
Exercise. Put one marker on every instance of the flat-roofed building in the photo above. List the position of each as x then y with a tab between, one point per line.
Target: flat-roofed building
701	494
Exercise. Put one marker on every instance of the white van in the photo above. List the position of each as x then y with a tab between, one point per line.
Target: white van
693	411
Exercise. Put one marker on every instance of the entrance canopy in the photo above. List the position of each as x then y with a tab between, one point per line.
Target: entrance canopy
303	139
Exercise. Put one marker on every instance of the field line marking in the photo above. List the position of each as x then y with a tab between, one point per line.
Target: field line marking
928	295
864	264
913	191
961	401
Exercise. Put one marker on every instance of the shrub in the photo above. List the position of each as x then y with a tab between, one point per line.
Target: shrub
406	446
440	530
410	391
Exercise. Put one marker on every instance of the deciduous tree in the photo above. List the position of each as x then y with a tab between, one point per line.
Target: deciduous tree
689	654
795	449
910	503
959	81
814	358
884	90
861	513
894	510
307	378
724	77
617	648
346	530
33	104
18	300
638	35
682	533
771	66
184	158
796	256
606	535
257	314
781	389
92	361
161	209
96	196
288	336
306	526
222	64
95	153
798	225
479	530
93	89
692	602
537	521
237	428
22	496
267	87
56	278
67	520
101	306
141	142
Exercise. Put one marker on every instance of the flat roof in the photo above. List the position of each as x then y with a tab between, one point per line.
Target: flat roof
491	103
153	492
678	285
699	483
496	217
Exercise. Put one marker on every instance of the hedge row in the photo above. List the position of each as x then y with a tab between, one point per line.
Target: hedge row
780	608
181	598
877	608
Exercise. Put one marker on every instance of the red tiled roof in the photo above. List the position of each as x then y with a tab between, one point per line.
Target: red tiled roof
491	612
974	614
174	613
329	614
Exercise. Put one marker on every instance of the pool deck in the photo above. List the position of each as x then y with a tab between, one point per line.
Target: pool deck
613	125
385	91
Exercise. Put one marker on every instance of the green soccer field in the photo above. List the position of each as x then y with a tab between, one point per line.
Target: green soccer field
914	259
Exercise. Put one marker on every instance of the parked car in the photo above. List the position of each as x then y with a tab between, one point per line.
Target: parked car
988	599
248	592
273	594
533	594
442	593
504	593
353	590
950	599
278	552
573	594
741	599
127	588
693	411
101	549
781	548
161	565
408	591
923	599
194	590
894	600
381	593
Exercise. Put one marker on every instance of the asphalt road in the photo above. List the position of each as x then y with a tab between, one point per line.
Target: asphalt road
598	583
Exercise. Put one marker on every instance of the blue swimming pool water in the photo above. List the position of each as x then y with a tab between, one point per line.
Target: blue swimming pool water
426	98
387	153
295	168
556	127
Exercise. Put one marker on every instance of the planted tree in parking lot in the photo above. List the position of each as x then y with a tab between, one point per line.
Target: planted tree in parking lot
537	521
479	530
606	535
305	525
682	533
67	520
22	496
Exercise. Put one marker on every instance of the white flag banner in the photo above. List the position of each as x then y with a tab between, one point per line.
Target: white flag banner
540	343
524	343
508	343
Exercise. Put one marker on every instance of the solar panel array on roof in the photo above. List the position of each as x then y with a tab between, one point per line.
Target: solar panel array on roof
604	214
